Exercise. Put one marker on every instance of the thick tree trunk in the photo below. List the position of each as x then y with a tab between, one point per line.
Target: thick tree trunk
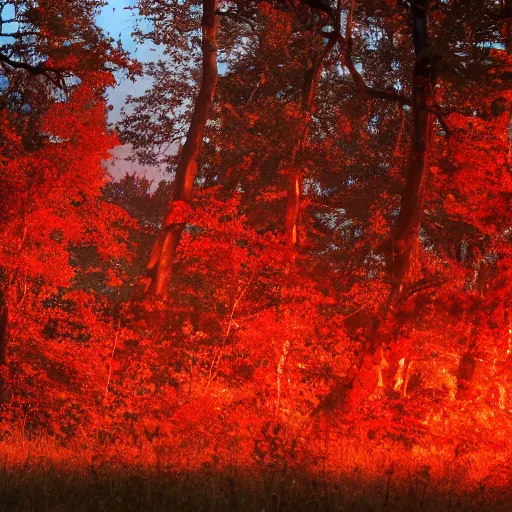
164	250
362	380
406	236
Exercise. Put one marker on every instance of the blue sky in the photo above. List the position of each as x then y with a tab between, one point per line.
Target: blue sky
116	20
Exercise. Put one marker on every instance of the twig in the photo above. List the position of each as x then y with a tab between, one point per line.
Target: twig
112	355
218	356
116	337
55	75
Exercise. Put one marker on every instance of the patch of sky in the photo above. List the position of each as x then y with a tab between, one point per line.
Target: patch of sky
8	13
373	124
117	18
335	219
494	45
312	186
373	257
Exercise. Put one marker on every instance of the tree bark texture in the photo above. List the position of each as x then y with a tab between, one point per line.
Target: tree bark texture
405	242
163	253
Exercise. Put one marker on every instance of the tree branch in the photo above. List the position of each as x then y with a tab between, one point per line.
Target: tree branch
55	75
19	35
320	6
236	16
364	89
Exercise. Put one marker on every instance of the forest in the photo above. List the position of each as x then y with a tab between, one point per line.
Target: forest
310	307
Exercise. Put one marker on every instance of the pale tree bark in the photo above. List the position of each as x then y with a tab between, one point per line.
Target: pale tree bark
295	169
163	253
293	209
311	79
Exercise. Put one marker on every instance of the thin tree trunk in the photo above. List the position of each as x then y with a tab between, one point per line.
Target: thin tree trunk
506	7
4	324
406	236
295	178
293	208
164	250
506	11
311	78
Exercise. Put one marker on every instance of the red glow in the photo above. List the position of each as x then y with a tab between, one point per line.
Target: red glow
318	298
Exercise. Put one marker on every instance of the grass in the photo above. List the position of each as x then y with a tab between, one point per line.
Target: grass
40	475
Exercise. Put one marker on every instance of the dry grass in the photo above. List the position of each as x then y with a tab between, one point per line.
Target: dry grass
41	475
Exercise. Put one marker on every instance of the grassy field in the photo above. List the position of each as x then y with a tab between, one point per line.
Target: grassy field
40	475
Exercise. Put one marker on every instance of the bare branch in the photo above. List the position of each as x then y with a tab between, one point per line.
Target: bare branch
320	6
55	75
364	89
236	16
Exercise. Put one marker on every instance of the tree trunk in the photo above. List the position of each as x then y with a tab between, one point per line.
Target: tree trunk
406	236
4	324
293	208
506	12
295	178
164	250
506	7
311	78
362	380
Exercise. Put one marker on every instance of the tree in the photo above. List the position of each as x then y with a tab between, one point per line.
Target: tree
164	250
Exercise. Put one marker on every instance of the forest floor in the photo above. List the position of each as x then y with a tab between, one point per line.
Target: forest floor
40	475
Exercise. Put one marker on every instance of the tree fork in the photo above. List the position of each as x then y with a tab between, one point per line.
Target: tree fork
405	239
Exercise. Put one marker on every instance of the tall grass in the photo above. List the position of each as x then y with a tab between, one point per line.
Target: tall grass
41	474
